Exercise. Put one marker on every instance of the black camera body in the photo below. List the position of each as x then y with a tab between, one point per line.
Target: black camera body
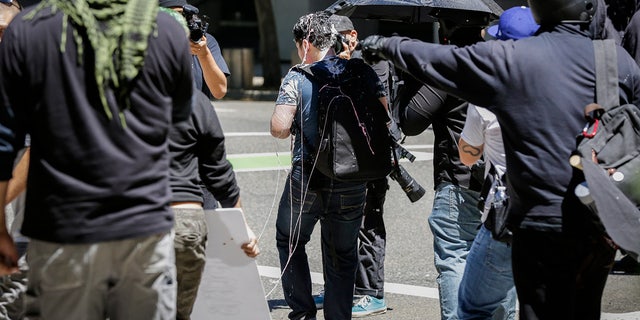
338	46
197	26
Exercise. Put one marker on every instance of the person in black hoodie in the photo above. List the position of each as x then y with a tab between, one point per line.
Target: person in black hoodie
96	85
538	88
198	157
632	33
627	264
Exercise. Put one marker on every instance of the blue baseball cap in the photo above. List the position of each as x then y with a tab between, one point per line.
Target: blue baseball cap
515	23
11	3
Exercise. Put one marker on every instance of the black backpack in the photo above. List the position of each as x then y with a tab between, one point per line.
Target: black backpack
608	151
354	143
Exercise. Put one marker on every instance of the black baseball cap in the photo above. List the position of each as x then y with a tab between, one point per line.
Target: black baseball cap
172	3
341	23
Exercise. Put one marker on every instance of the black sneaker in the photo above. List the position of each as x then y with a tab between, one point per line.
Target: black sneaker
626	265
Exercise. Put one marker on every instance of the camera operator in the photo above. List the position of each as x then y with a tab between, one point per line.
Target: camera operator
372	236
454	218
369	284
209	66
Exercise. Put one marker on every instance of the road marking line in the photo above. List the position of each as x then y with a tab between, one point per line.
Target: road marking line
398	288
246	134
264	154
425	292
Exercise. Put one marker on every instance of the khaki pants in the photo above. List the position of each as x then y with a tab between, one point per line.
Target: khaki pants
119	280
190	243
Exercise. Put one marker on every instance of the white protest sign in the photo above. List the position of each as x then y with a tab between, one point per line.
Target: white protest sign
230	287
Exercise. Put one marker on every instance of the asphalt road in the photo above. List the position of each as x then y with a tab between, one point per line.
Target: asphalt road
411	290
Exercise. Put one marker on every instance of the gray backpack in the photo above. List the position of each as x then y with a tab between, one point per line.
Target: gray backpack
608	151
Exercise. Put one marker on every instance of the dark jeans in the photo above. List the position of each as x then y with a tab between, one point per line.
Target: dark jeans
339	207
373	240
560	275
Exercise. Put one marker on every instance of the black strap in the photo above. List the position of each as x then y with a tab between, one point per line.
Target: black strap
606	73
487	184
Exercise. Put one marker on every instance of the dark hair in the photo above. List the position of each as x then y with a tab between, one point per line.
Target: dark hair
316	29
552	12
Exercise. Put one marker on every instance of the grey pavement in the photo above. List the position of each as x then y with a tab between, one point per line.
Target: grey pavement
410	274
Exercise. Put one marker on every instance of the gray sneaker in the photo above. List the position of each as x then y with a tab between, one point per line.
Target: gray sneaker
368	305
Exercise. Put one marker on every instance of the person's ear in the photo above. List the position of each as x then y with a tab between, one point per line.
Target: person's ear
353	40
305	45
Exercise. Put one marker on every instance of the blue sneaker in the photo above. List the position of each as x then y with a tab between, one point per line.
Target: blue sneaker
368	305
319	300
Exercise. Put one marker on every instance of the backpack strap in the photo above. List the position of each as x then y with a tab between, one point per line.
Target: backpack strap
304	68
606	73
486	185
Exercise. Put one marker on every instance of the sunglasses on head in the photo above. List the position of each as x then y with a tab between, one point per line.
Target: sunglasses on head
11	3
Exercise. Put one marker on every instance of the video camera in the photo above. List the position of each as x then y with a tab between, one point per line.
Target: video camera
410	186
197	26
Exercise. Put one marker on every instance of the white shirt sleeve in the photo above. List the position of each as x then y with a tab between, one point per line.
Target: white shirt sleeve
474	127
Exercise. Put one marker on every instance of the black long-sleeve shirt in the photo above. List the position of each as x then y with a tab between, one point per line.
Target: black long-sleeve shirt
198	154
538	88
420	106
91	179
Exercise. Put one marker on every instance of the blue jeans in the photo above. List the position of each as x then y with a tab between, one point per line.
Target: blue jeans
487	290
454	222
339	207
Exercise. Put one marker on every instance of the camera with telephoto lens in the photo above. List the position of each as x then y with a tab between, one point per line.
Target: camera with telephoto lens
410	186
196	25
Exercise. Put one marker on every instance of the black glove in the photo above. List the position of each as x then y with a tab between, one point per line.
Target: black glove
372	49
